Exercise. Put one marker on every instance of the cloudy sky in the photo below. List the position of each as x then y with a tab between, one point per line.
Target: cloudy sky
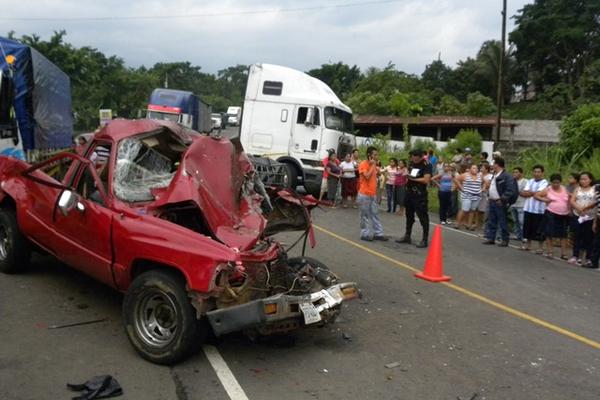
303	35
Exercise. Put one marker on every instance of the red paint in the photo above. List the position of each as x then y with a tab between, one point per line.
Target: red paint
167	109
107	240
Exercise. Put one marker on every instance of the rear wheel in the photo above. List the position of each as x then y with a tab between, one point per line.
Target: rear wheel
292	176
159	318
15	251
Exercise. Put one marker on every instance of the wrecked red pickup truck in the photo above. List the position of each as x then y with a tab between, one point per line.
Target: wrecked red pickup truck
179	223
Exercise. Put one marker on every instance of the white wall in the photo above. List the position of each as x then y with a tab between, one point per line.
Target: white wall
396	145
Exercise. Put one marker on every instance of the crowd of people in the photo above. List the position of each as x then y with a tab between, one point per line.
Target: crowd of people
477	194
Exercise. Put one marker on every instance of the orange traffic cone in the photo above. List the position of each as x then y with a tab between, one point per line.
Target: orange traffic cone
434	270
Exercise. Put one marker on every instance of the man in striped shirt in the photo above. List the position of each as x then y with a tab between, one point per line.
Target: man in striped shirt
534	209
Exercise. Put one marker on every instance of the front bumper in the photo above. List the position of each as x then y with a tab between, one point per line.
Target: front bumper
294	311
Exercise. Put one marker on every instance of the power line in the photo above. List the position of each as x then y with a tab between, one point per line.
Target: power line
205	15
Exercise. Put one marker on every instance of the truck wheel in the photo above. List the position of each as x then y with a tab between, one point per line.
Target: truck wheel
159	318
15	251
292	176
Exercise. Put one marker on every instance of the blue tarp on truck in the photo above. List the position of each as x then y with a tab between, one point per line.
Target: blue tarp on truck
42	97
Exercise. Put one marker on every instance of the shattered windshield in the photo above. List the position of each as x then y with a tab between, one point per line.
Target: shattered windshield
338	119
140	167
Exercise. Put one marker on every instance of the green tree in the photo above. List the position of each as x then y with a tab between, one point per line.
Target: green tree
369	103
450	105
437	75
479	105
555	41
340	77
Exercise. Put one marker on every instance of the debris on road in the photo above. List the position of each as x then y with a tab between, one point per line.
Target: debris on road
346	337
93	321
392	365
99	387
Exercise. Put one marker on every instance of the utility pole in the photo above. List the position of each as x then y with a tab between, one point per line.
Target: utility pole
500	74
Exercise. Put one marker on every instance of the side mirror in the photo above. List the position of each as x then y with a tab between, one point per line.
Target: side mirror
69	201
310	116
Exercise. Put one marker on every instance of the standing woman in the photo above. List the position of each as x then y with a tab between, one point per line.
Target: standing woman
486	178
556	216
356	162
469	185
390	178
400	186
583	202
596	228
348	181
333	178
444	183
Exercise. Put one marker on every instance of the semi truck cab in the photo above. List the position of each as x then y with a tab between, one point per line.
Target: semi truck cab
294	118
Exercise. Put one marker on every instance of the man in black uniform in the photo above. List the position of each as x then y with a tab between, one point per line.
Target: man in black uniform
415	201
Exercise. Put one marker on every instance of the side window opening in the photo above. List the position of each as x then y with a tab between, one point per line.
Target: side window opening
272	88
87	187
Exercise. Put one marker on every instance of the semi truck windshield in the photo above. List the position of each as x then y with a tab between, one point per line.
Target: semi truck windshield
162	115
338	120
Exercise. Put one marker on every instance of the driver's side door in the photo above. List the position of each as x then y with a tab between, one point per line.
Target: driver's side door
79	236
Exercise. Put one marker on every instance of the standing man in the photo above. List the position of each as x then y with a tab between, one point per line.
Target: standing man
595	258
501	193
516	210
367	198
415	200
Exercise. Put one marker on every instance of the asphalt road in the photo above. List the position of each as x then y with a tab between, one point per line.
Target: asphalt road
511	325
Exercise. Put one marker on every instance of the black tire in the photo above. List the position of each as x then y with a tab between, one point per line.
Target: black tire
15	249
163	293
292	175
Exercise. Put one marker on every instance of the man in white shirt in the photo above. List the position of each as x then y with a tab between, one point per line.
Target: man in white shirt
534	209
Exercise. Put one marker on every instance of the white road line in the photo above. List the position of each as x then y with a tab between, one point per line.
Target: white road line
230	384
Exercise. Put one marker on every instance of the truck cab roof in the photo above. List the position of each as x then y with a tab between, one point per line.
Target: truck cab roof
294	87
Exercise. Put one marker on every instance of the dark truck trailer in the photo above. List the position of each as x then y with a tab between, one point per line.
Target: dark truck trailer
180	106
36	101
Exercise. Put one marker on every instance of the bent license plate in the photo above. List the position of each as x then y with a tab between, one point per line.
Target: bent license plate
311	315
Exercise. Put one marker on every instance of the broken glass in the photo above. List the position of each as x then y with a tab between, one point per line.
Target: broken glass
138	170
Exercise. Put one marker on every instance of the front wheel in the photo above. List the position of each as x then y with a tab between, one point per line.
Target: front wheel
15	250
159	318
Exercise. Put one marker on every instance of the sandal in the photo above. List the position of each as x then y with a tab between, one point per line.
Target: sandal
549	255
524	248
540	252
563	257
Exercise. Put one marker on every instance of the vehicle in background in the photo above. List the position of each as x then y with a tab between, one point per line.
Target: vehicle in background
216	119
179	223
234	115
294	118
182	107
35	102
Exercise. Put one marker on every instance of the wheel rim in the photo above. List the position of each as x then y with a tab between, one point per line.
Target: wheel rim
156	318
4	243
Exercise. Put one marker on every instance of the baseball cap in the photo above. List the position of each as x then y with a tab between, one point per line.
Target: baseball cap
468	150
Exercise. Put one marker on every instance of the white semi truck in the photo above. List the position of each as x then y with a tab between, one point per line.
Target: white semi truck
294	118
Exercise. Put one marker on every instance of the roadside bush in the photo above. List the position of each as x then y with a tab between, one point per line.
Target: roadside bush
465	138
423	144
580	131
